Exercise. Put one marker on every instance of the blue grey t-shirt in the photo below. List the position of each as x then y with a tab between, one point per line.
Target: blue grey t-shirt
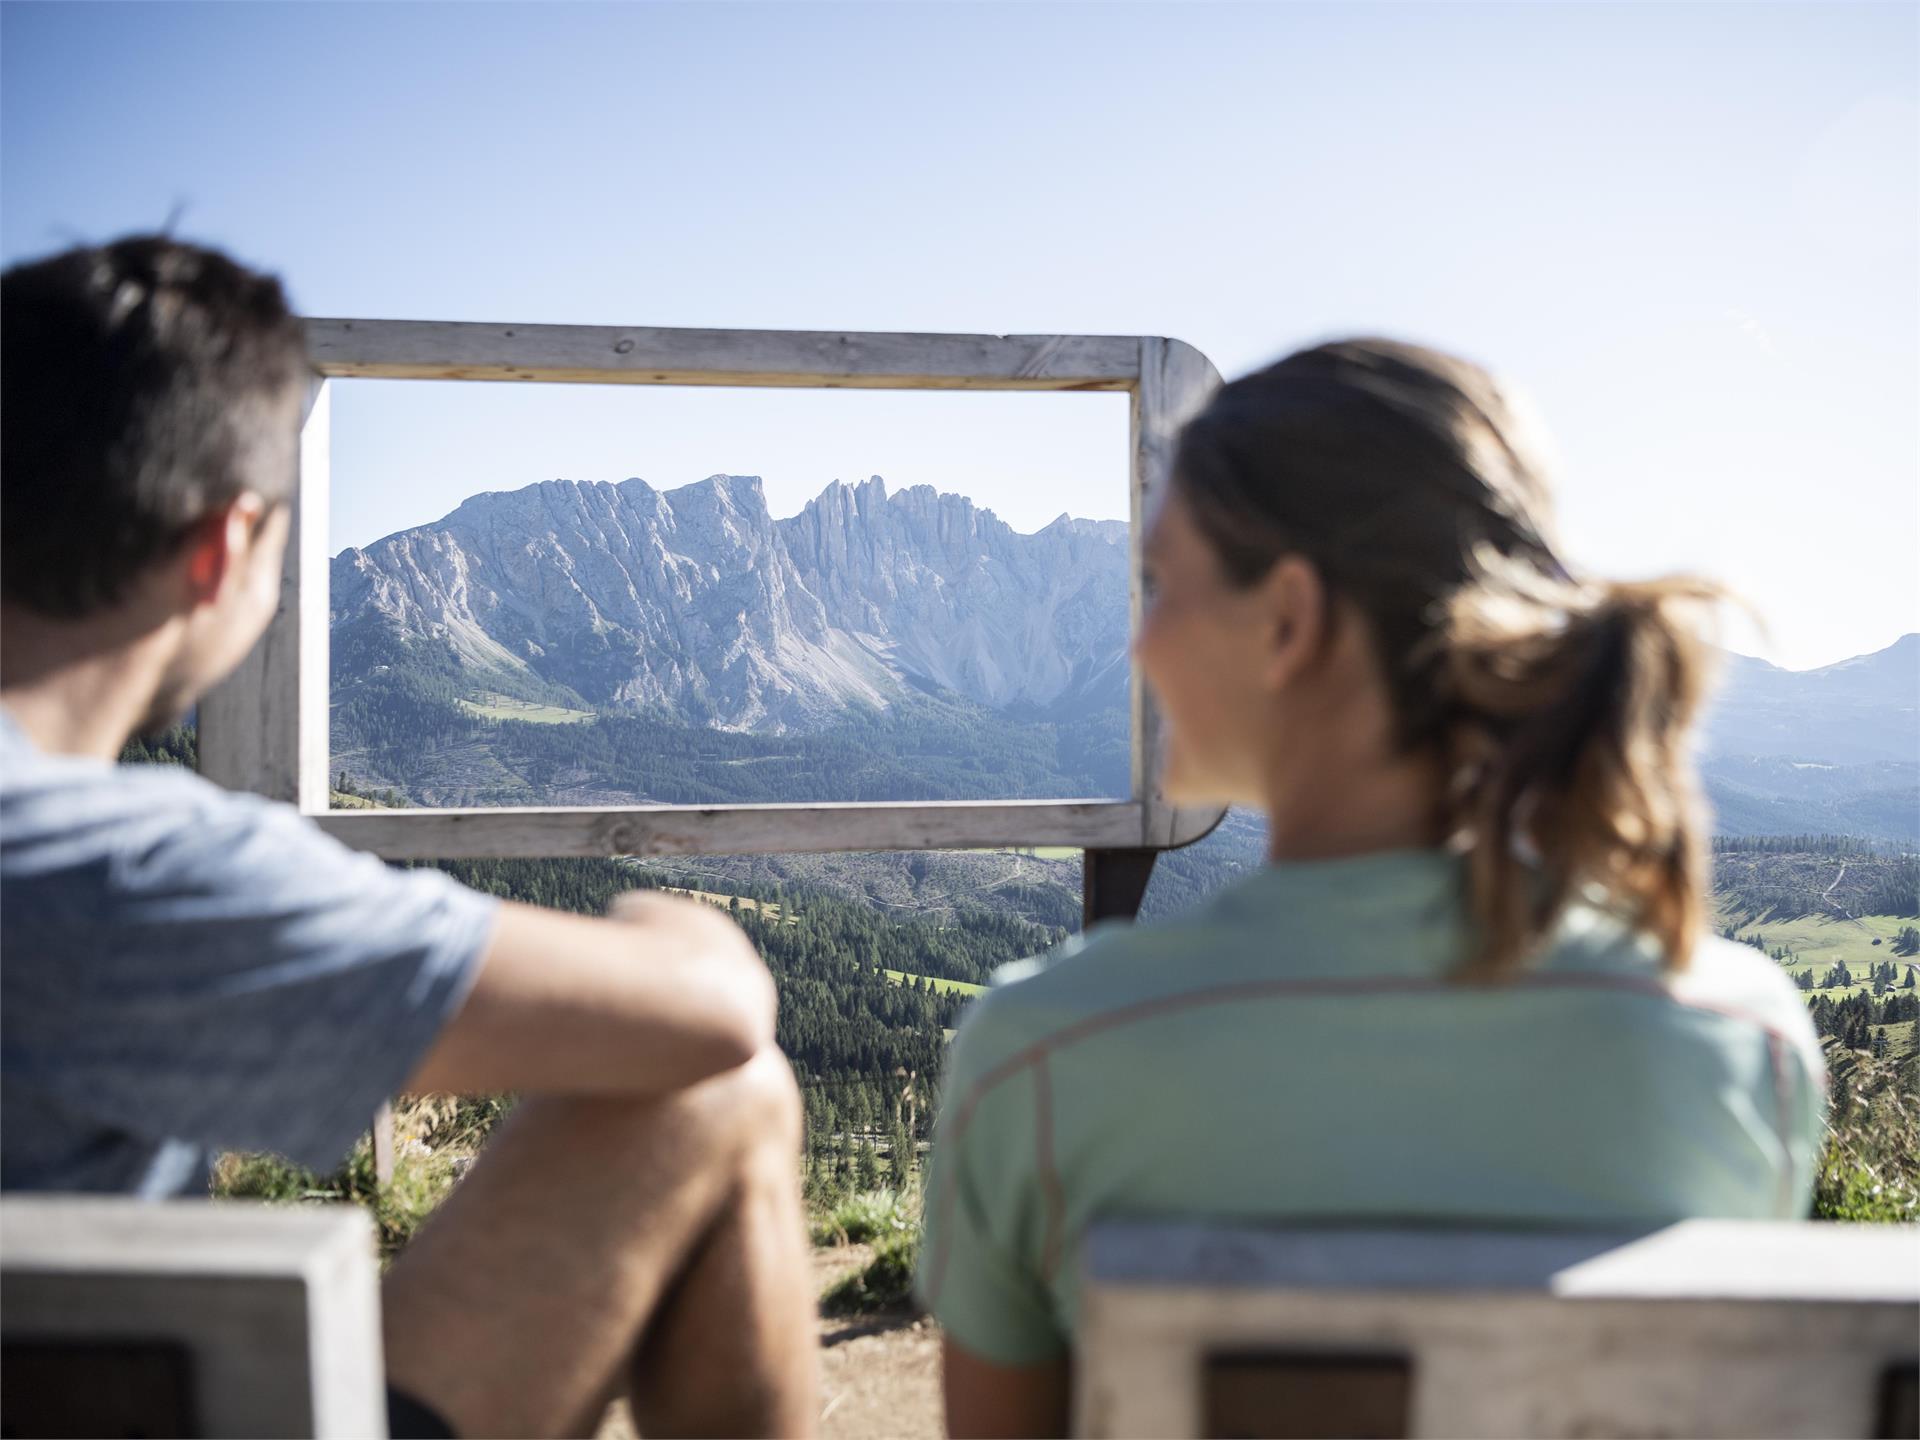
184	969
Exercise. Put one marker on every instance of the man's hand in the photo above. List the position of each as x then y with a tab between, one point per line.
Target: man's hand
665	993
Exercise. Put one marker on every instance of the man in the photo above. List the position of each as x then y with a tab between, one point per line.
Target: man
187	970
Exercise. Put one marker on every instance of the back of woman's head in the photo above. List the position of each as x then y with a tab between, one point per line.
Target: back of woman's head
1559	706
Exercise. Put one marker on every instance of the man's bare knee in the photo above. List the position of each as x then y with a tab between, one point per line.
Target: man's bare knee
758	1103
580	1220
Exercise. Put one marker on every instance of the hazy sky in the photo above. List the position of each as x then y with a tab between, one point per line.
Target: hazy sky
1692	231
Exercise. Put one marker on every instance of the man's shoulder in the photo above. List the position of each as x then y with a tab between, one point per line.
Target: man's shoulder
85	838
51	804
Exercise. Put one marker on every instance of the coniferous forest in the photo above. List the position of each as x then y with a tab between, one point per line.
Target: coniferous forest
869	992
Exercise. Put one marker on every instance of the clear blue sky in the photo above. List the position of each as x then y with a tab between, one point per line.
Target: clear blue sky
1693	231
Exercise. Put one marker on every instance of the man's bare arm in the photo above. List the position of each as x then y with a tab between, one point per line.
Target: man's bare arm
663	995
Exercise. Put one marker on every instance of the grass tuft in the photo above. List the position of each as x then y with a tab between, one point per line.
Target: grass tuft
886	1282
874	1215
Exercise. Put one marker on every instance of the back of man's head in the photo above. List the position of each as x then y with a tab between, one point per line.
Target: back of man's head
144	385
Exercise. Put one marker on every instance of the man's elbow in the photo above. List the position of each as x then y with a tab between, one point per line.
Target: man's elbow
748	1027
743	1020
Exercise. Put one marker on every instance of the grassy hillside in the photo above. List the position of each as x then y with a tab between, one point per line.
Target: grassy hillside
1781	878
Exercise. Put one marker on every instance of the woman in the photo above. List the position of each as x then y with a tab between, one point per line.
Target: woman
1471	984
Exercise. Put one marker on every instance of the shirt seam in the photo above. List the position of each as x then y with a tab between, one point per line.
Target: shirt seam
1035	1055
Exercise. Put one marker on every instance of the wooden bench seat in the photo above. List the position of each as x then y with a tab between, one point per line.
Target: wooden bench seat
1707	1328
188	1317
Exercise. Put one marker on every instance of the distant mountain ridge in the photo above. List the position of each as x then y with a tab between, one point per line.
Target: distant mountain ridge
696	603
1855	712
1835	750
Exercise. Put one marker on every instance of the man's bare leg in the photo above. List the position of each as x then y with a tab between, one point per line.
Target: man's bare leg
747	1281
588	1225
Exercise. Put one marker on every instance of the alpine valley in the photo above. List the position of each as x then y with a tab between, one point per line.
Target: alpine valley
579	643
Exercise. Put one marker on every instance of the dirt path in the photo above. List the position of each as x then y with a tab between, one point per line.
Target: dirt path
880	1374
1835	886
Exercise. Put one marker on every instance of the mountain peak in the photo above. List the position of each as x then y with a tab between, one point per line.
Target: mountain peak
733	487
1114	532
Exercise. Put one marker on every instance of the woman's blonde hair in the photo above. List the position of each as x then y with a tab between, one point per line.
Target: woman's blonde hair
1560	705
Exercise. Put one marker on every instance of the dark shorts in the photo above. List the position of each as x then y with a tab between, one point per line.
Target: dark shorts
411	1419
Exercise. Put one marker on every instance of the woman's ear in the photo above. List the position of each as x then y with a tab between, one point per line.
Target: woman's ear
1293	603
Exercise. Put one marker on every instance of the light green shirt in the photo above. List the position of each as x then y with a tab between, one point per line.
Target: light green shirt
1293	1050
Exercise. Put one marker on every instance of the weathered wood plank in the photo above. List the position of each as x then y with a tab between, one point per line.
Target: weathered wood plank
1176	381
314	784
264	727
734	830
1687	1260
382	1133
641	355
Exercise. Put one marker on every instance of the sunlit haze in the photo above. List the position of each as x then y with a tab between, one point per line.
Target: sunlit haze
1692	232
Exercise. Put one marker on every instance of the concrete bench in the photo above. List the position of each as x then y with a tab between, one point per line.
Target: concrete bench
1707	1328
187	1317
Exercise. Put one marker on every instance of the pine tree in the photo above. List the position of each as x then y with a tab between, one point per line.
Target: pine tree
900	1149
866	1174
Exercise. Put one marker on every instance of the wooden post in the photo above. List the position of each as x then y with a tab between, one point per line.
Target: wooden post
1113	883
383	1143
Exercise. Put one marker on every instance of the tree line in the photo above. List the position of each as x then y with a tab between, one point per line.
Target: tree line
1859	1020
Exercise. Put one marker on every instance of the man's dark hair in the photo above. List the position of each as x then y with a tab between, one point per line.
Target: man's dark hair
143	385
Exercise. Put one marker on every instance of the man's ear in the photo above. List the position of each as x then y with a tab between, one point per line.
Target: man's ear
1293	600
218	544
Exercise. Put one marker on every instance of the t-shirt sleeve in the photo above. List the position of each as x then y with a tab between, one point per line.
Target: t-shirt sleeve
985	1230
211	967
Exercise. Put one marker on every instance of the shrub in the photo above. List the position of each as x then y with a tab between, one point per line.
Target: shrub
1870	1169
886	1283
435	1137
875	1215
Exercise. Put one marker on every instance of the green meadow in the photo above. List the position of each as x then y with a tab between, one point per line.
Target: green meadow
505	707
940	986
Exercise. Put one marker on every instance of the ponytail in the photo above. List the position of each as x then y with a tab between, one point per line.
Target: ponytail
1566	710
1418	486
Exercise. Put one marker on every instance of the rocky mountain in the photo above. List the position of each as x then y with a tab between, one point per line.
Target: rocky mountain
695	608
697	604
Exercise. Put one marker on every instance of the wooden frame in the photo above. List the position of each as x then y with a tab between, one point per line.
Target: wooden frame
265	728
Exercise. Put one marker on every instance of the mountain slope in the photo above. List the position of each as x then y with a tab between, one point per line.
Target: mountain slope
1834	750
1856	712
